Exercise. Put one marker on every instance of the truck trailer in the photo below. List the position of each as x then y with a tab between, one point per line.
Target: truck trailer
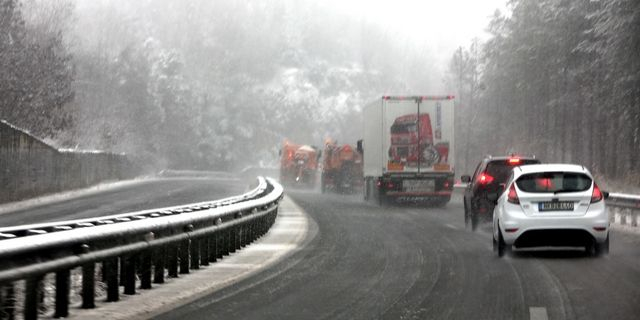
408	149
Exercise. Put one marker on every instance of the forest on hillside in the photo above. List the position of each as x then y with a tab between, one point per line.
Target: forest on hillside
196	84
559	79
221	84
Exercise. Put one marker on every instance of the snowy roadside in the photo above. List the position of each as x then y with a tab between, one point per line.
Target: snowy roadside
284	238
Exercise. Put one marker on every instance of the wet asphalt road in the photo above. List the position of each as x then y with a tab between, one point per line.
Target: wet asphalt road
149	194
367	262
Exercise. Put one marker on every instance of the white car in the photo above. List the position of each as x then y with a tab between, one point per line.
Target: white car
544	205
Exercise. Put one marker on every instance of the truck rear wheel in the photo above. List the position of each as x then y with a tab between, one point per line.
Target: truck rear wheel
365	192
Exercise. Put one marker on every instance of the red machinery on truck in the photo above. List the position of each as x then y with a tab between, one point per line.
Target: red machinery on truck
298	164
341	168
412	141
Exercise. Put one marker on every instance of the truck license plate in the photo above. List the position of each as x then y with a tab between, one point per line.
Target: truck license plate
418	185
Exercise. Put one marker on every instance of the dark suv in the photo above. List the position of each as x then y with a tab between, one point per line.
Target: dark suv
490	176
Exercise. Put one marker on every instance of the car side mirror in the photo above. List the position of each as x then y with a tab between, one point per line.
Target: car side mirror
605	194
465	179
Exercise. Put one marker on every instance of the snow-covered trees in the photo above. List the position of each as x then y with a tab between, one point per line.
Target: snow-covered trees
206	84
561	79
35	71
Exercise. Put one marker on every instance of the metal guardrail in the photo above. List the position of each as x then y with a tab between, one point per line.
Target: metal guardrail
174	240
41	228
624	209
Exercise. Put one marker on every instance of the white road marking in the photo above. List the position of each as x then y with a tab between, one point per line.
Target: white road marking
451	226
538	313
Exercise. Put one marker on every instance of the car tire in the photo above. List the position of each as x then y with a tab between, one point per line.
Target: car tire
503	248
601	249
467	220
474	221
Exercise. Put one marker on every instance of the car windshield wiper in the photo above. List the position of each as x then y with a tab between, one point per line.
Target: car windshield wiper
565	191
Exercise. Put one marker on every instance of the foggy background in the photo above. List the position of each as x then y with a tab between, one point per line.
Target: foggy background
218	85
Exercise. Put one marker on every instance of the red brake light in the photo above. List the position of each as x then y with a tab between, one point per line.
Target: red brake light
485	179
514	160
596	196
512	197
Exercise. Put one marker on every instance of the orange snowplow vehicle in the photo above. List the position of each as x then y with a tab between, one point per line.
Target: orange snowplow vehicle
298	165
341	168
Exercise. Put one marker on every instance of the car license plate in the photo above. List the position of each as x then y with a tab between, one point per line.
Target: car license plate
555	206
418	185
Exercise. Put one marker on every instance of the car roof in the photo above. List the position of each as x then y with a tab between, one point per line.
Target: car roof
553	167
502	158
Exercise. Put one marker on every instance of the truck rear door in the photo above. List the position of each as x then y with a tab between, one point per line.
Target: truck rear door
401	134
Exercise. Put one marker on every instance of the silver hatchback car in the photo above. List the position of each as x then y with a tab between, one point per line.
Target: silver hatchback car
546	205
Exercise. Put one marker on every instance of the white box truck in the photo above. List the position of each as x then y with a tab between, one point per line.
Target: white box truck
408	148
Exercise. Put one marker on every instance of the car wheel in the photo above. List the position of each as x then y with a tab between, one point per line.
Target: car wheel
474	221
503	248
467	221
601	248
495	244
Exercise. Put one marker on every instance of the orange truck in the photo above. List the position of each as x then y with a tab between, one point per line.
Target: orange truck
341	168
298	164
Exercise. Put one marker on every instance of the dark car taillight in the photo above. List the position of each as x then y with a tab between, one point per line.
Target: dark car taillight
485	178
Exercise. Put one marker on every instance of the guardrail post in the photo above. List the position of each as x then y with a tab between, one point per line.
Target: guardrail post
224	243
110	269
242	236
233	237
219	244
7	302
62	294
204	251
158	264
33	295
123	270
172	263
195	253
88	285
145	270
213	249
252	231
130	274
184	256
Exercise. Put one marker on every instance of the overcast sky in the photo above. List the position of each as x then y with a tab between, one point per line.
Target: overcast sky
441	25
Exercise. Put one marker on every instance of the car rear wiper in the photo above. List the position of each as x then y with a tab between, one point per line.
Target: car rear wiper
565	191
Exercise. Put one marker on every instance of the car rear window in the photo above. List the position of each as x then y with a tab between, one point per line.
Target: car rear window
554	182
501	169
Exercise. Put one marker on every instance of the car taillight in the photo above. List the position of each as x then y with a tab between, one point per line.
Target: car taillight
596	196
512	197
485	179
514	161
